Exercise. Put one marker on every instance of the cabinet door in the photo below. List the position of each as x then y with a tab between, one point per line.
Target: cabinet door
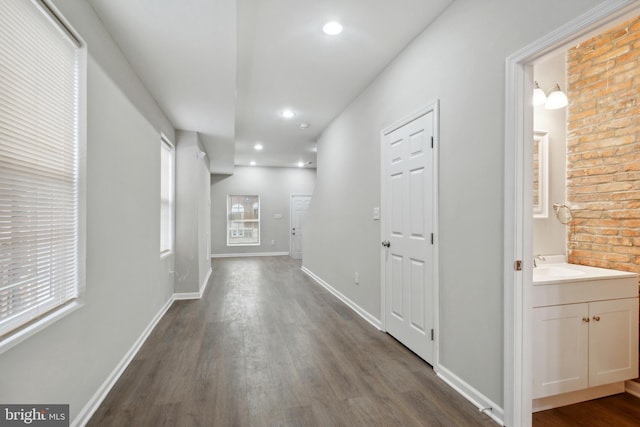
613	341
560	346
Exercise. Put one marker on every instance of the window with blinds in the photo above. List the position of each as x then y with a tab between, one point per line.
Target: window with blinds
166	196
39	164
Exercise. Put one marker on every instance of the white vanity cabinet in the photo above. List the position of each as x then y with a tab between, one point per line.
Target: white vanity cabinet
577	346
560	349
585	339
613	341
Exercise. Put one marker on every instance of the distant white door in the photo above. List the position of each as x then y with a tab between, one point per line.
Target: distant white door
299	208
408	233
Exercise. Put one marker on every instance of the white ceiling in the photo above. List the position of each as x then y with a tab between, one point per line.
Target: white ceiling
226	68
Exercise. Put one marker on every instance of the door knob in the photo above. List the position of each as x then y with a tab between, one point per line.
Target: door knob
386	244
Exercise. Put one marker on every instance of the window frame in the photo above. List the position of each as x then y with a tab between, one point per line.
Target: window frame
229	220
166	144
29	328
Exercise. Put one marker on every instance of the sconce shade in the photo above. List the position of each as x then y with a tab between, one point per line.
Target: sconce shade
539	96
557	99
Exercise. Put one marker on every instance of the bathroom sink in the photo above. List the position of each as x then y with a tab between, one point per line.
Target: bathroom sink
562	272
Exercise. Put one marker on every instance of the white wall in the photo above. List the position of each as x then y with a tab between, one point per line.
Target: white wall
549	234
126	282
204	222
460	60
192	214
275	187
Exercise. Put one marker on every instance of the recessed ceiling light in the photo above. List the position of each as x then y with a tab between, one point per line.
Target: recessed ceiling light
252	163
332	28
287	114
300	164
258	146
304	125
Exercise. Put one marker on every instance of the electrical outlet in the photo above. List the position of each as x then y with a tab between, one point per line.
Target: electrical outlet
357	278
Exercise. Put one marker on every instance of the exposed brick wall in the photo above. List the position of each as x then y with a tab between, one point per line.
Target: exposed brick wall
603	149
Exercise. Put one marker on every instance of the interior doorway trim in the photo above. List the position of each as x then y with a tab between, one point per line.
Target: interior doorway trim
518	192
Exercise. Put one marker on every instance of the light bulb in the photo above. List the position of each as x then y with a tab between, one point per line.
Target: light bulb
332	28
539	97
287	114
557	99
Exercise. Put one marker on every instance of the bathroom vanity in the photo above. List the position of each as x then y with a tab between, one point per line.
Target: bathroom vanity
585	333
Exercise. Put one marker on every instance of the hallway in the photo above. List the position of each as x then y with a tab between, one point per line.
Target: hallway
267	346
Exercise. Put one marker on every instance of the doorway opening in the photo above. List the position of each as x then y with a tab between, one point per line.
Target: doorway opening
519	196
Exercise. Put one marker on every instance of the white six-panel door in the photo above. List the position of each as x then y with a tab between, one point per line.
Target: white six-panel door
408	234
299	208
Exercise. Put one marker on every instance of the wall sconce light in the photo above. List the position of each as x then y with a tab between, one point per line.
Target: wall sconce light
539	97
556	99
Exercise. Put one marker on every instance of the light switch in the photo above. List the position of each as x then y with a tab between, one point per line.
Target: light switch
376	213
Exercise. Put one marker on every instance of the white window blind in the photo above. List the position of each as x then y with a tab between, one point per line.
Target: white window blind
39	164
166	196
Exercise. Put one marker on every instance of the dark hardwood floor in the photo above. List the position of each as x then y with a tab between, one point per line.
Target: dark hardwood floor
621	410
266	346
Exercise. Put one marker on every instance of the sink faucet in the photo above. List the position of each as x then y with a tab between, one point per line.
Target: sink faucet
537	257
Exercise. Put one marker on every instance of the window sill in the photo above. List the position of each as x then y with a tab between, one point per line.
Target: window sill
17	337
242	244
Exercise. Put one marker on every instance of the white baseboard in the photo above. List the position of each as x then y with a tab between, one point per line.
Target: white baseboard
243	255
484	404
179	296
352	305
96	400
203	285
632	388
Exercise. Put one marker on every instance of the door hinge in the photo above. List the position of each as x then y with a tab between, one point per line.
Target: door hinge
432	333
431	142
432	238
517	266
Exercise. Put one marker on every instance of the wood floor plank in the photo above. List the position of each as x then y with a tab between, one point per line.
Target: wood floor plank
301	416
621	410
264	406
267	346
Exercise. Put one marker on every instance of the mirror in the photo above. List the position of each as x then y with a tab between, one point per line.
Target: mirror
540	174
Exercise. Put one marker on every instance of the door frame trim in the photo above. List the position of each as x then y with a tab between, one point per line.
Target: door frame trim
518	191
434	107
291	196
